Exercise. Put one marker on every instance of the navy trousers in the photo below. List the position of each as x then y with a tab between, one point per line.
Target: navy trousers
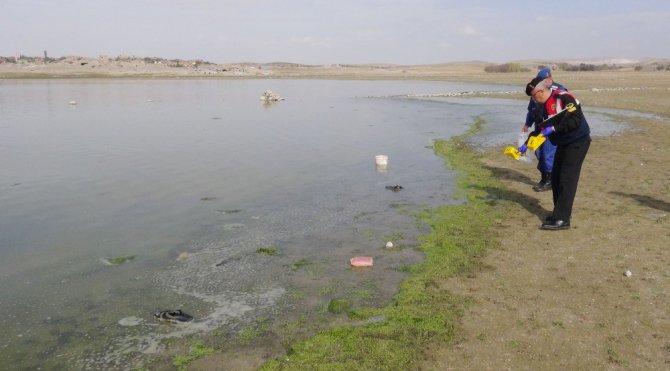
568	162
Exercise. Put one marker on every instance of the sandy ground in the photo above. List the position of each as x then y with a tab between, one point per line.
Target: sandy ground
547	300
559	299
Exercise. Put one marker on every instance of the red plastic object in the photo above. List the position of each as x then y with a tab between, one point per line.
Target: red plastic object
361	261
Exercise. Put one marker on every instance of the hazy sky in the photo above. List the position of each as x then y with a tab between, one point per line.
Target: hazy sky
338	31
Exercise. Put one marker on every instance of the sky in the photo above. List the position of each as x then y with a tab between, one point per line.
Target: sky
338	31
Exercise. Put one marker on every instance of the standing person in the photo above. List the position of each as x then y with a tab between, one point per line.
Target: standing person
545	153
568	130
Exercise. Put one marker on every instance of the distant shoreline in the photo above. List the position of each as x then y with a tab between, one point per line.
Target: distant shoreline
21	67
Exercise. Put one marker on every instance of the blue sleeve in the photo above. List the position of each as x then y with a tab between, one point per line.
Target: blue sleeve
530	114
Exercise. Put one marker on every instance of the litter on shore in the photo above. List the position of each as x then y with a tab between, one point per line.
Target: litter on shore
361	261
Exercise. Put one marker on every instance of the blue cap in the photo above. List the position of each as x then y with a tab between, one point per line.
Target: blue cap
544	73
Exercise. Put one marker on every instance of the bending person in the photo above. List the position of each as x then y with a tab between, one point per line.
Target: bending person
535	115
570	132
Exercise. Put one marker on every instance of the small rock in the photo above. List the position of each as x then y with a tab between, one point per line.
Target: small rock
627	273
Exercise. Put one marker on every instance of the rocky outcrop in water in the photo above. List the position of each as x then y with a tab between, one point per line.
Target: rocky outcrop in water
269	96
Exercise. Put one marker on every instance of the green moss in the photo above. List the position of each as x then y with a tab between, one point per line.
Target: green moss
267	251
422	312
198	350
339	305
295	294
328	290
250	333
120	259
298	264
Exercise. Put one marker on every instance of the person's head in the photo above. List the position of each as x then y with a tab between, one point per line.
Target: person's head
545	74
538	89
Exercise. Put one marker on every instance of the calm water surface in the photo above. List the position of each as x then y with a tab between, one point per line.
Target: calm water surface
192	178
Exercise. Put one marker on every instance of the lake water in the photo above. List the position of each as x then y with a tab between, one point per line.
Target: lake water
191	178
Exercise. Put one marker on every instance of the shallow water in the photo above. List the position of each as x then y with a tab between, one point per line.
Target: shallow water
192	178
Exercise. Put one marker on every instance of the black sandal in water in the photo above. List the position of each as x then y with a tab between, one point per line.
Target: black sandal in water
173	316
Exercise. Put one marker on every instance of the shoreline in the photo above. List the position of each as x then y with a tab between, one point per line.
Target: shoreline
495	331
624	175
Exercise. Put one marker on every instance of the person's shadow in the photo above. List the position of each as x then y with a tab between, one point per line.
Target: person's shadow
509	174
529	203
647	201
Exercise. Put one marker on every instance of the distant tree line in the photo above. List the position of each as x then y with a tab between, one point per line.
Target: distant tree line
517	67
587	67
506	67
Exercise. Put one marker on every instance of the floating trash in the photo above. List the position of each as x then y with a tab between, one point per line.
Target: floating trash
361	261
173	316
72	103
389	245
395	188
381	163
627	273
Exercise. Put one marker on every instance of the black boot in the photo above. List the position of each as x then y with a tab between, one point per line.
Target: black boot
544	184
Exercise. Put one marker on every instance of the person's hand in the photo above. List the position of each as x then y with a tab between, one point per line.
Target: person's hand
524	128
523	149
548	130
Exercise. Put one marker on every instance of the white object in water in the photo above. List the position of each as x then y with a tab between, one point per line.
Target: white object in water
72	102
381	163
382	160
389	245
627	273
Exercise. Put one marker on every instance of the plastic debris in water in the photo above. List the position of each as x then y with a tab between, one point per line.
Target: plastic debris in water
361	261
627	273
389	245
174	316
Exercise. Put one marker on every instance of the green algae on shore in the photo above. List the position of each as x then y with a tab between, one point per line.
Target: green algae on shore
422	313
267	251
118	260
